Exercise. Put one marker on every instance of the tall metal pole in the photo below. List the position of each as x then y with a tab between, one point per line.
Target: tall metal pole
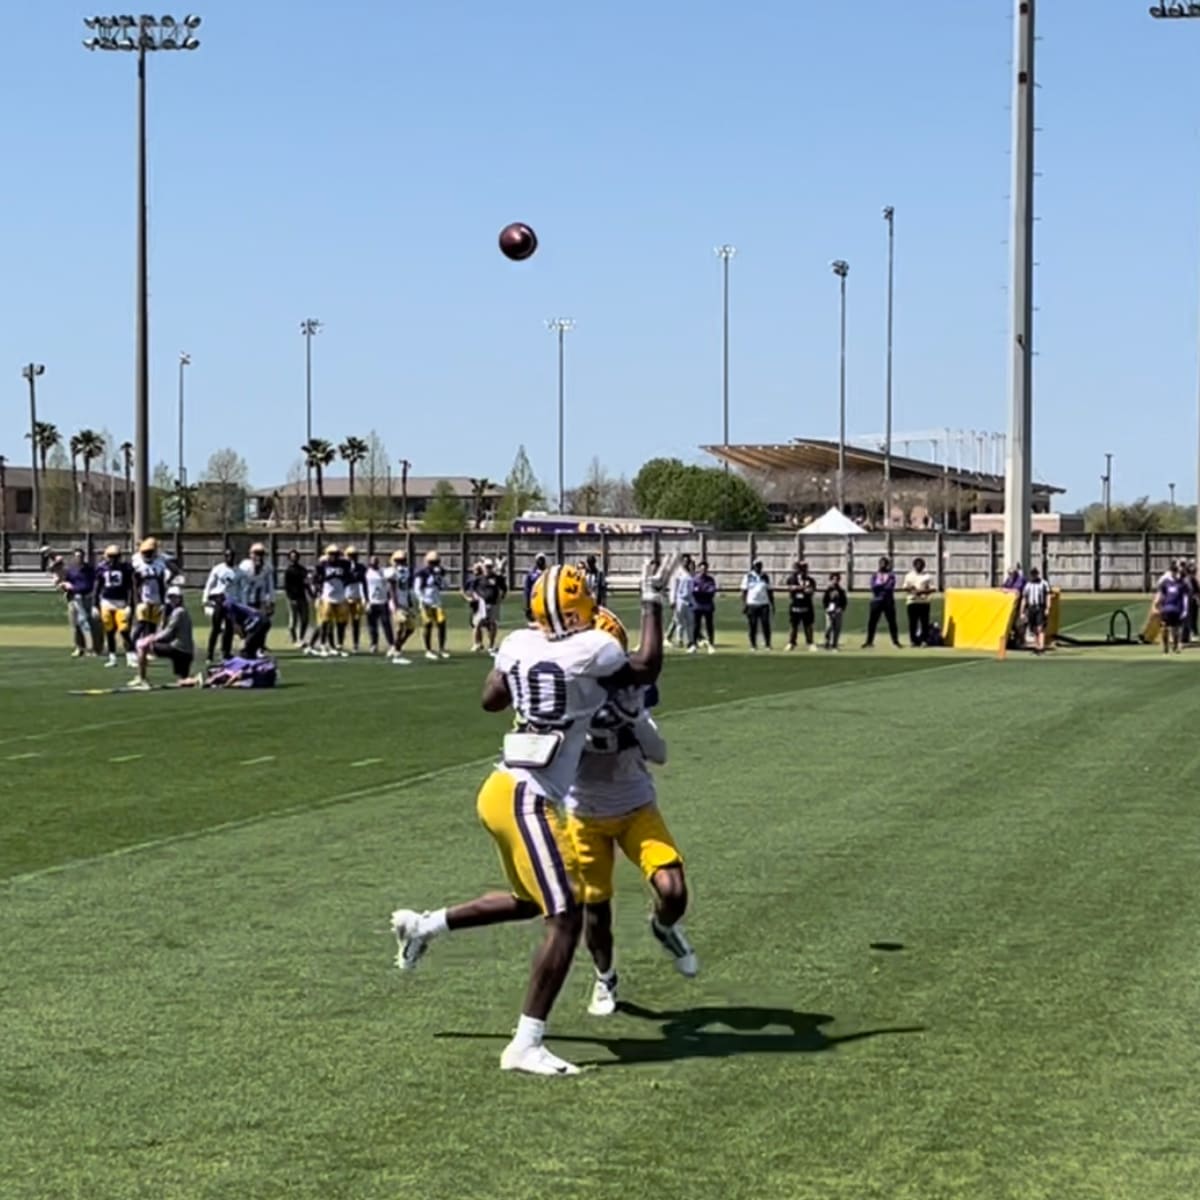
889	215
404	466
141	427
725	254
1018	483
1107	489
1172	12
31	372
185	360
561	326
841	269
142	34
309	327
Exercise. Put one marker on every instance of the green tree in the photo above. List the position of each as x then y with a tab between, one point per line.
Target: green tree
445	513
57	501
652	482
319	454
596	495
162	484
91	447
521	491
226	478
369	506
353	451
45	438
479	494
74	447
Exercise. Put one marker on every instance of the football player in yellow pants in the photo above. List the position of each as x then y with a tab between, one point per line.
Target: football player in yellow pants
612	804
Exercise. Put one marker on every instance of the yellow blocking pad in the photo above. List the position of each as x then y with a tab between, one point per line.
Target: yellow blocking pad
979	618
1153	627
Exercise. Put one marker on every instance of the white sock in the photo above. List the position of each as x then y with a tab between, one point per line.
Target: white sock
433	923
530	1031
609	977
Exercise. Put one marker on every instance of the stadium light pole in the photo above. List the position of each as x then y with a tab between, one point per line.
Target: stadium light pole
30	372
1175	12
1171	489
142	35
404	468
561	326
889	215
185	360
309	328
725	254
1107	489
1018	475
841	269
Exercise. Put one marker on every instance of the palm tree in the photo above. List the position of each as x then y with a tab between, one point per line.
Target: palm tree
126	449
353	451
319	454
479	491
76	449
45	438
91	447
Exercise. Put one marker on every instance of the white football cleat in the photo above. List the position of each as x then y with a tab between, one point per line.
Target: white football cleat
411	944
131	659
398	660
429	654
604	997
535	1060
444	654
111	661
674	941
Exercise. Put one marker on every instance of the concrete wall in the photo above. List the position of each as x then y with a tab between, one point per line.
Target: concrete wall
1074	562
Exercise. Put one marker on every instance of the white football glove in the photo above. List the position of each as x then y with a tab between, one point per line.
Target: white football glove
656	580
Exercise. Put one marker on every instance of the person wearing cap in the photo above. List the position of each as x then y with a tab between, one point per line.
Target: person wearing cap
225	581
356	591
151	574
758	603
175	642
489	590
297	587
114	601
597	581
78	584
429	583
401	602
258	581
704	603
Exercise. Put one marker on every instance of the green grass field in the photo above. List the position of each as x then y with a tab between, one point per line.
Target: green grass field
946	910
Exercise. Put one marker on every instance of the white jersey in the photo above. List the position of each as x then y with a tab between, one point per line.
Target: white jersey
223	580
258	585
150	578
682	587
378	586
556	686
613	777
400	579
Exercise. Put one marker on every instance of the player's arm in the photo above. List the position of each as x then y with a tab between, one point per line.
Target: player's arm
496	696
653	744
645	665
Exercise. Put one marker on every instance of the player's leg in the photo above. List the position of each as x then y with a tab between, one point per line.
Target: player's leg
808	628
645	840
793	628
355	624
889	612
215	624
594	847
427	632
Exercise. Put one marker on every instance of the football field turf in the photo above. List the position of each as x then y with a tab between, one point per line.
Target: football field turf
946	910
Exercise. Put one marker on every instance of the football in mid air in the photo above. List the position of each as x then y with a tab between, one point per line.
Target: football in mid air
517	241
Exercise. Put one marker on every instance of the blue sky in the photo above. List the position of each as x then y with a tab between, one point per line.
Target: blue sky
355	161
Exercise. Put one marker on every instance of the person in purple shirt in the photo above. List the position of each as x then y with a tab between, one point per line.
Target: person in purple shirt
704	605
252	625
1015	580
883	604
77	584
539	565
1170	603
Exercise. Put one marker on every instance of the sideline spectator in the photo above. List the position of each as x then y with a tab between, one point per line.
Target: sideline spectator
1191	587
490	590
704	603
682	594
77	584
597	581
758	603
377	588
297	587
224	580
1035	604
883	604
1170	603
919	588
1014	581
531	577
835	602
802	588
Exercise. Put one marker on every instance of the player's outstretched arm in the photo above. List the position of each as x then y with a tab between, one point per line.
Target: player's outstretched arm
496	696
645	664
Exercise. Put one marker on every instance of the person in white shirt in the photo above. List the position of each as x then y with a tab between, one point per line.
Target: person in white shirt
224	580
682	605
758	603
918	591
378	592
258	582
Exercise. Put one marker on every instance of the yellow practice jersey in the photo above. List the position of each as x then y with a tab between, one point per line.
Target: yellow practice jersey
557	686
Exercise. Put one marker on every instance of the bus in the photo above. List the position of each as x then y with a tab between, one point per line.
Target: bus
566	523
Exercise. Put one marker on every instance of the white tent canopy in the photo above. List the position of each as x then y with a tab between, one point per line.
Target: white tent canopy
834	521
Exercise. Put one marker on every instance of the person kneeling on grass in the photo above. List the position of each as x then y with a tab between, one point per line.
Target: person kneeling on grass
174	642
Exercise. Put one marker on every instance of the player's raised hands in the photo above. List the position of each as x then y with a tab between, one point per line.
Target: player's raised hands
656	578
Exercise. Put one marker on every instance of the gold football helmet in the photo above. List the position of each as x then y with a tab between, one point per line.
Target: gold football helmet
561	603
608	622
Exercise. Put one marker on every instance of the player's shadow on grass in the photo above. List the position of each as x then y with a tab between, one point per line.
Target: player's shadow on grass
717	1032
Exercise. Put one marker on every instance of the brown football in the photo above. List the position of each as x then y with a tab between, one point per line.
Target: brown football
517	241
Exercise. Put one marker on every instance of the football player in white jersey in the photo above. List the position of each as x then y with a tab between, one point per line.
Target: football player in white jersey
224	581
151	574
556	676
613	803
258	581
403	621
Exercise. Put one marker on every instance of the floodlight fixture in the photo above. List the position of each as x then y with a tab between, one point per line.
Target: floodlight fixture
840	268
